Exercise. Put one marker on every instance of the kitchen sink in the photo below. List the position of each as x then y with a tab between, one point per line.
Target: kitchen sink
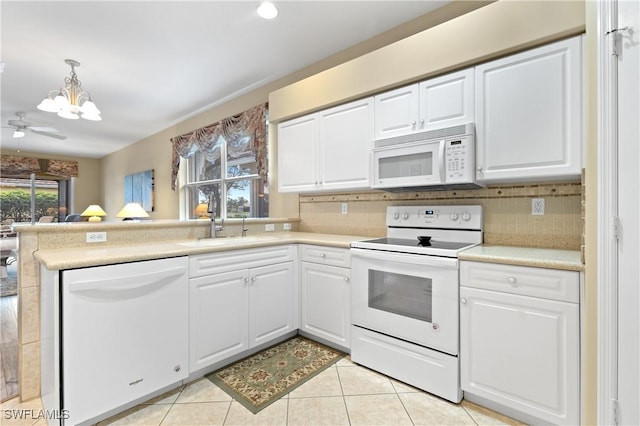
219	241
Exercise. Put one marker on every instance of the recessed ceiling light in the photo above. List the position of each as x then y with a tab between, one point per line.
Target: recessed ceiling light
267	10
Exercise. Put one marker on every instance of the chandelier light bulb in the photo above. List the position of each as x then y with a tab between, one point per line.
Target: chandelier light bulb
18	133
48	105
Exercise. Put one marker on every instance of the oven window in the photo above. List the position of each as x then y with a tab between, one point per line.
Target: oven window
400	294
419	164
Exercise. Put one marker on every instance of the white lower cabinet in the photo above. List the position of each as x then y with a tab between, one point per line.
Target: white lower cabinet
238	308
325	294
517	349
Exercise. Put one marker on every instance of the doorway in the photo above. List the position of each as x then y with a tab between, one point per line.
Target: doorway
618	206
15	207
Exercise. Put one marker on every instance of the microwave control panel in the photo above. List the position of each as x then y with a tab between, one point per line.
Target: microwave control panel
458	160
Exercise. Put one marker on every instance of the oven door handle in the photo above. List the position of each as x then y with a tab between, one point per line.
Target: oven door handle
386	256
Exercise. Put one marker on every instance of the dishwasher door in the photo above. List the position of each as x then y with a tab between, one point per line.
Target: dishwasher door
124	334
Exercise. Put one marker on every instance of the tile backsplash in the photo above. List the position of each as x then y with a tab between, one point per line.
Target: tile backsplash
507	212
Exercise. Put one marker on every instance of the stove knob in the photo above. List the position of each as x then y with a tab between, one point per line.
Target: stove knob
396	215
405	215
454	216
466	216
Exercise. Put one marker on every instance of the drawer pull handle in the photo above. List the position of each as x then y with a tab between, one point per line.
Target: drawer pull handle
512	281
463	301
346	279
324	255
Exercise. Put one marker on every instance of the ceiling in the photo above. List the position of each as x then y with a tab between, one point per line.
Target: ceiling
151	64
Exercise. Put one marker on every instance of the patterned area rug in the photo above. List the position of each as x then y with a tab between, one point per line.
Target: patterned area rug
263	378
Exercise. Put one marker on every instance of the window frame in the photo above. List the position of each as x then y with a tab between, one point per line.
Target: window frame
223	181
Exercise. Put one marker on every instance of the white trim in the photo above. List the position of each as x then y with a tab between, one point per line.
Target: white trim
607	205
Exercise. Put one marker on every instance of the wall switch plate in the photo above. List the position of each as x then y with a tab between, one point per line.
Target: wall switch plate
96	237
269	227
344	208
286	227
537	206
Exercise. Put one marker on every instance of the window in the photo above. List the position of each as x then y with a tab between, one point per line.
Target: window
225	181
50	199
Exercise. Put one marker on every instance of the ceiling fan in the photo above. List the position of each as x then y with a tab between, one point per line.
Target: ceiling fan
19	126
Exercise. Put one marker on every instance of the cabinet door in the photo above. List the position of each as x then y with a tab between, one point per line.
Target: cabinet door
297	154
447	100
326	303
396	112
218	317
346	139
529	115
271	302
521	352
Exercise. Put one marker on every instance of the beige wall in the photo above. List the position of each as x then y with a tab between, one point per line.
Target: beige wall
590	302
87	188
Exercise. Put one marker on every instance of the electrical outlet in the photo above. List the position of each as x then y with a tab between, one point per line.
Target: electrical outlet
269	227
344	208
537	206
96	237
286	227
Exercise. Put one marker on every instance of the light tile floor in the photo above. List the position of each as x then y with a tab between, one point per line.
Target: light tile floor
344	394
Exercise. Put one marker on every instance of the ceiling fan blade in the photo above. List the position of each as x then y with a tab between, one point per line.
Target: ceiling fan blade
44	129
53	135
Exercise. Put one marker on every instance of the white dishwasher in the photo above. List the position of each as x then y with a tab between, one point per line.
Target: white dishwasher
123	334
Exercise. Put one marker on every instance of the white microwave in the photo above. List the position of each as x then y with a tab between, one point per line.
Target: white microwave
432	160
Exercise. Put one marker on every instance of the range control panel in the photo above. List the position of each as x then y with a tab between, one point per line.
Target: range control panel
449	217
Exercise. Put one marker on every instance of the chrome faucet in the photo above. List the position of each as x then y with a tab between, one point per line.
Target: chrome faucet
211	208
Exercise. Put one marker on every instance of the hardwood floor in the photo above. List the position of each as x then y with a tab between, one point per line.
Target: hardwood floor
8	347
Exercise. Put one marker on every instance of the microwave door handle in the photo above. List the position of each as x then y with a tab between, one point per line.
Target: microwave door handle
442	162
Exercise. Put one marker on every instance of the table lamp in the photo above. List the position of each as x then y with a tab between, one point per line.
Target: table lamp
94	212
132	211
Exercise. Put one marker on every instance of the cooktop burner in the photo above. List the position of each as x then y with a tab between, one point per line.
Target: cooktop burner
404	242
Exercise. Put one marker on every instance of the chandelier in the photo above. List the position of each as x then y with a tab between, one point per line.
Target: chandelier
71	101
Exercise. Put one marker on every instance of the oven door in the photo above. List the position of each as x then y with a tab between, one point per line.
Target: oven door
414	164
407	296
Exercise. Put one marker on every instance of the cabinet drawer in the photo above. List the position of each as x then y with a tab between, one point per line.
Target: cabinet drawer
215	263
326	255
527	281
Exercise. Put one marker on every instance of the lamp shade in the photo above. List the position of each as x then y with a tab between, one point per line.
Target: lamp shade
94	212
132	211
201	211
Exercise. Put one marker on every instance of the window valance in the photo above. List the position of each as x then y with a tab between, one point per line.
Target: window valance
246	131
13	166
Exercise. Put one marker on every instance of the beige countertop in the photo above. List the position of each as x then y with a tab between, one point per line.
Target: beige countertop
58	259
569	260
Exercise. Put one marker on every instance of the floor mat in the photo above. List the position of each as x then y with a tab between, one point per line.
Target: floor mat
263	378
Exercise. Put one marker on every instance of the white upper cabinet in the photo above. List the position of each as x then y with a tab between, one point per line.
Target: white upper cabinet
443	101
297	154
528	115
345	142
327	150
397	112
447	100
